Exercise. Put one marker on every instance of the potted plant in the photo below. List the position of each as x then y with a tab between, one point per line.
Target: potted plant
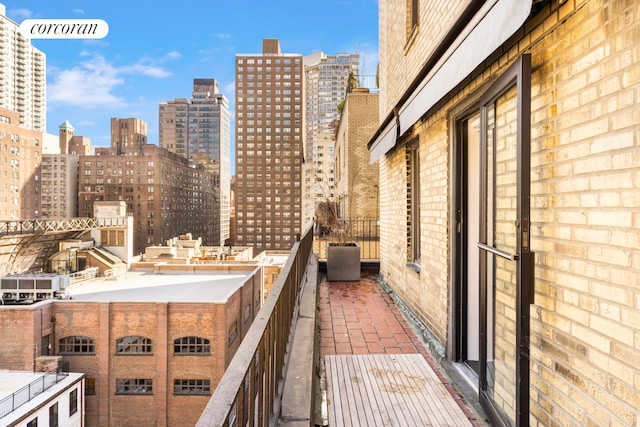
343	256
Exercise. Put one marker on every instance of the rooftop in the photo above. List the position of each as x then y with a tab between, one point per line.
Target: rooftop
136	286
27	390
12	381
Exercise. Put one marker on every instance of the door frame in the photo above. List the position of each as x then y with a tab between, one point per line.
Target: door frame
457	348
519	75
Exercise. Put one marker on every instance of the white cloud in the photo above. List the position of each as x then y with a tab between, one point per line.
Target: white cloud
91	83
222	36
172	55
19	14
146	70
79	11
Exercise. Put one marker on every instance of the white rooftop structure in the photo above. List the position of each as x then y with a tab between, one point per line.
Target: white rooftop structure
207	286
22	397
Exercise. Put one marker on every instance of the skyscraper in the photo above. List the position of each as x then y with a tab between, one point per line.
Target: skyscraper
22	76
269	147
200	130
326	78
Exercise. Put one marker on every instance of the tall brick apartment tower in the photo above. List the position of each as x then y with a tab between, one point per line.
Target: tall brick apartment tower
200	130
269	146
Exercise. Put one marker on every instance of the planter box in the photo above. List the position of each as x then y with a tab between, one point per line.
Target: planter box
343	262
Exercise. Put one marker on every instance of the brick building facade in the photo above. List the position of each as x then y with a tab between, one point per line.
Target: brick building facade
146	362
355	179
166	194
21	153
520	251
269	147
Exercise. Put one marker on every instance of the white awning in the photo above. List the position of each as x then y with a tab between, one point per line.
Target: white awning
385	141
494	23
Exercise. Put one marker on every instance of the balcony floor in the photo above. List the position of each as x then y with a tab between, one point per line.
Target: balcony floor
378	372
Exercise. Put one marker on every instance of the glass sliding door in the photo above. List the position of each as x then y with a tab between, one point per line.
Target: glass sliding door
506	266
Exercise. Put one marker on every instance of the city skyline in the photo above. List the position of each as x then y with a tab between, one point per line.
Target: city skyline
150	55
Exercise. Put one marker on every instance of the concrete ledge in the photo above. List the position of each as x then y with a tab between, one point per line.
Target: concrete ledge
298	396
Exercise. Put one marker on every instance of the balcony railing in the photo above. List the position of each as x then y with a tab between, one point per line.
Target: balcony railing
364	231
250	389
31	390
365	81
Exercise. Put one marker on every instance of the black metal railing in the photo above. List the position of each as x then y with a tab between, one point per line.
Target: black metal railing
367	81
28	392
364	231
250	389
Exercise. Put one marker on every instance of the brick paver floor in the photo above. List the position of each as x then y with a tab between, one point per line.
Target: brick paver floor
361	318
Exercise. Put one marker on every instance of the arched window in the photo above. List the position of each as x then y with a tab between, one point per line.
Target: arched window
191	345
76	345
134	345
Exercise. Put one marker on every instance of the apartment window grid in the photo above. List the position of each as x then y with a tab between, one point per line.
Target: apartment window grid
76	345
134	386
192	386
134	345
191	345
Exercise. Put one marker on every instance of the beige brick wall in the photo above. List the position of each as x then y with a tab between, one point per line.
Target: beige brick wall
356	179
401	59
585	198
426	294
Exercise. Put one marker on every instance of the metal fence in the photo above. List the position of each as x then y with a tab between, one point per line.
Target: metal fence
250	389
364	231
28	392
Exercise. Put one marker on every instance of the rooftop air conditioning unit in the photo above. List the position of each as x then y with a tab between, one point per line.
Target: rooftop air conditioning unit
33	287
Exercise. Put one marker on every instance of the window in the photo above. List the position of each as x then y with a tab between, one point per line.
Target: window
191	387
53	415
233	333
73	401
89	386
191	345
413	18
134	345
33	423
413	204
134	386
77	345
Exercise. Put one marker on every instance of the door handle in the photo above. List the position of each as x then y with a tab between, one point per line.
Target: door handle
502	254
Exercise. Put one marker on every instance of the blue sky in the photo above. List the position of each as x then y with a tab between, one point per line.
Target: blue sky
155	49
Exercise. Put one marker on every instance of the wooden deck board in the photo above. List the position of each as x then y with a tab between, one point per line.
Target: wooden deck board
388	390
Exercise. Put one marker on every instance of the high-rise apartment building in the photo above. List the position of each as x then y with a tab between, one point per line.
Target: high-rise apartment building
60	174
59	186
269	147
22	76
20	157
326	78
166	194
200	130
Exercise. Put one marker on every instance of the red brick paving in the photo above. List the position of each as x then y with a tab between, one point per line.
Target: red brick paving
361	318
